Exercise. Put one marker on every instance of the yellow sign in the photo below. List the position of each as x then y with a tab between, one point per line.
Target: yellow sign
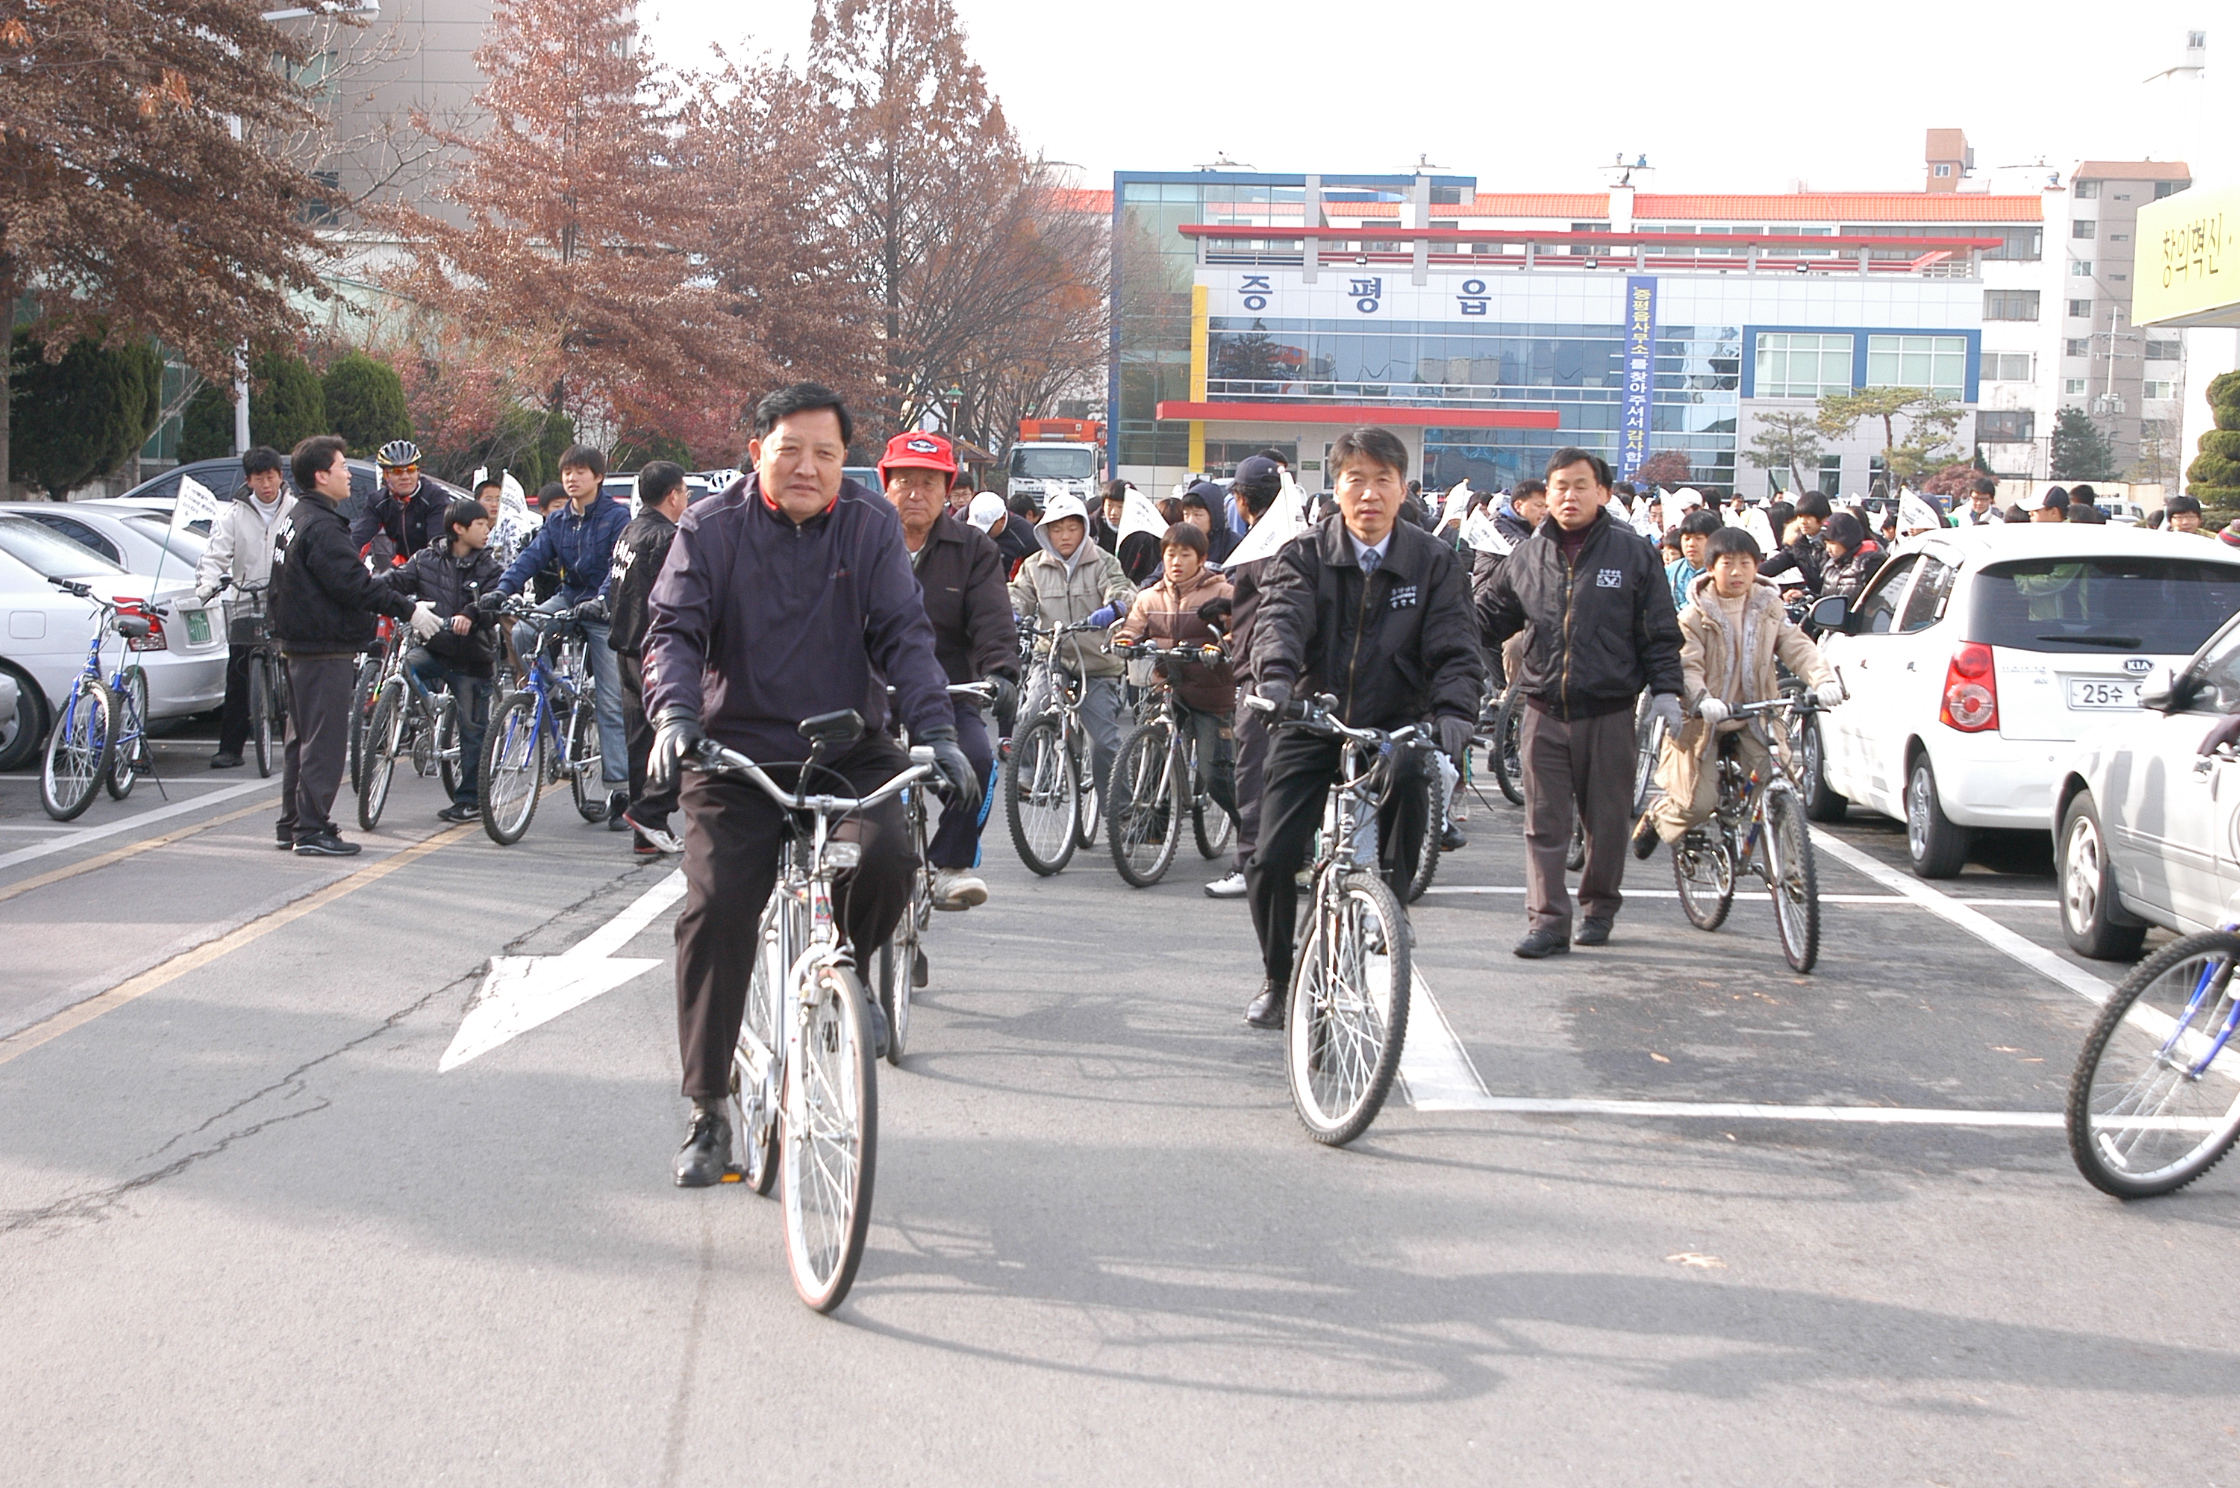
2187	272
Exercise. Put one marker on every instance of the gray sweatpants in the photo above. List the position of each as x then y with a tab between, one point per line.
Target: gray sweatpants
319	689
1580	770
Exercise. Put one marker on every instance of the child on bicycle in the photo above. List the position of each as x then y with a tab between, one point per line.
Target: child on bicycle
1168	614
1734	635
451	573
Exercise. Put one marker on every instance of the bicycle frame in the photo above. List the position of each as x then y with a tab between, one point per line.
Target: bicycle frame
128	731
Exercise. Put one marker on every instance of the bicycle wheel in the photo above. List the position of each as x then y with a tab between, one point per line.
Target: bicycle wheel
754	1098
262	734
362	695
891	976
1792	877
2155	1101
1040	796
512	769
1506	754
1704	874
1090	811
1214	828
831	1138
1426	866
447	744
1645	765
79	750
1145	811
1349	1010
133	756
584	768
384	742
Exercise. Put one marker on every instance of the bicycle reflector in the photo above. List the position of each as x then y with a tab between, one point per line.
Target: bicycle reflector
1971	690
839	855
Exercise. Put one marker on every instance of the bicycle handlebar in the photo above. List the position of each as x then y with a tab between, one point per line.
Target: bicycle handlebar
715	759
1802	702
1317	713
1204	655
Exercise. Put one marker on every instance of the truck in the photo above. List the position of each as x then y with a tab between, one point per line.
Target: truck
1054	456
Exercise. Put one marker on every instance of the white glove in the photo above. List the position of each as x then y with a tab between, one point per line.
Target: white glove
1830	693
205	592
1712	711
424	621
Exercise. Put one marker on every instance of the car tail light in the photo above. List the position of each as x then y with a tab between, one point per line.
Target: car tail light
154	640
1971	690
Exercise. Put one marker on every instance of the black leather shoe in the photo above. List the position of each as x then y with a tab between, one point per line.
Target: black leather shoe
706	1152
875	1023
1452	839
1266	1010
1593	930
225	761
617	803
1644	838
1543	943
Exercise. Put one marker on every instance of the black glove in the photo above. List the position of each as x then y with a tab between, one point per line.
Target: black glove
1005	697
1276	691
590	612
492	602
954	772
1216	612
1454	736
676	735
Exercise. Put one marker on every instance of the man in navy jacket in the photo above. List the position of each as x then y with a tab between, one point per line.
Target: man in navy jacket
788	596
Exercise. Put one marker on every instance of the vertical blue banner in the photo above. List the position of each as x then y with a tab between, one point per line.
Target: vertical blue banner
1641	373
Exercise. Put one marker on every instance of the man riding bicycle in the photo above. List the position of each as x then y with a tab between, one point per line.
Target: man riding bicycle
960	576
406	513
786	597
1376	612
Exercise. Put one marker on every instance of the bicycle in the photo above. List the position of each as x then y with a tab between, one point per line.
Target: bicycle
1049	782
1759	827
804	1082
409	719
268	677
100	734
1158	779
901	965
1347	1013
1505	744
374	668
526	746
2155	1100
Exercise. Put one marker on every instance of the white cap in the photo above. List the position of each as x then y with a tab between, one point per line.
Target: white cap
985	510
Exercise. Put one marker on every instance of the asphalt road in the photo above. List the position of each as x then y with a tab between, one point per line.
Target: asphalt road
251	1233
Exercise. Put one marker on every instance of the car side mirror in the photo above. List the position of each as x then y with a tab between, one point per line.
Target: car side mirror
1832	613
2167	691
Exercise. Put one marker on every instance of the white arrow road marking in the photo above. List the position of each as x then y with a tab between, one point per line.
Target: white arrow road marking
523	992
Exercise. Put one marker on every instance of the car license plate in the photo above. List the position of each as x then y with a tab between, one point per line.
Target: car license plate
2094	694
198	627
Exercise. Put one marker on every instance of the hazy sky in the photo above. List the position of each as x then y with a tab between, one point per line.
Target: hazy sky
1738	95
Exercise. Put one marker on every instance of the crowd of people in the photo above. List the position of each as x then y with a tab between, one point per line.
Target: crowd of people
796	591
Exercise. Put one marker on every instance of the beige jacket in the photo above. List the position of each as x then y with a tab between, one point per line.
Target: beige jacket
1049	591
1709	651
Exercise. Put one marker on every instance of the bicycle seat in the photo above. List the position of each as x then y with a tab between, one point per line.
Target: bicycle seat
133	626
828	729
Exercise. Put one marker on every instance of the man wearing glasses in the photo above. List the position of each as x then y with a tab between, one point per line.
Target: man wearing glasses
406	513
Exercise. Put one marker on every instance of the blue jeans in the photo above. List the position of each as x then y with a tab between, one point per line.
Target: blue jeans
472	695
606	692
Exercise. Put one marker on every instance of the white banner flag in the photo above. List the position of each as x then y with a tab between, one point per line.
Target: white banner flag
196	504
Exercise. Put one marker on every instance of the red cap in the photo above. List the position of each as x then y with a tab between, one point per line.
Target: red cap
921	450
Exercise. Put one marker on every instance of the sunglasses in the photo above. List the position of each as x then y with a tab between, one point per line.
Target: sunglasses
401	469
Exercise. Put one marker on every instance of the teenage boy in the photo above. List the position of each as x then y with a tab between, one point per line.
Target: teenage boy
1696	529
450	574
240	548
638	556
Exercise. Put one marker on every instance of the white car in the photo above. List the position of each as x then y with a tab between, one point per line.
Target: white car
1977	656
2146	815
47	630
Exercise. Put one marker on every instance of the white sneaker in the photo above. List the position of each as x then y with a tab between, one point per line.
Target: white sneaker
1231	887
955	888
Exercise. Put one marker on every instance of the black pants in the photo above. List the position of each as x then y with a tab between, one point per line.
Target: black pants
731	839
1252	762
1301	767
319	689
956	843
646	805
233	721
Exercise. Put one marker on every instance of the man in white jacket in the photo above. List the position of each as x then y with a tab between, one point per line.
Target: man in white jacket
240	547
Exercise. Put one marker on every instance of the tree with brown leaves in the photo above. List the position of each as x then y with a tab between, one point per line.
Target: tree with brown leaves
129	203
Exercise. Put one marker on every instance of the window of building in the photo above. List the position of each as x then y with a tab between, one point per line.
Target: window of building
2010	304
2020	243
2081	309
2119	237
1944	169
2006	366
2077	346
2083	229
2169	188
1802	365
2165	351
2158	388
2086	190
1938	363
2072	387
2080	268
2006	426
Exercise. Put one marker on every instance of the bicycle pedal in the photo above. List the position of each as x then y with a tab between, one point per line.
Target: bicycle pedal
733	1174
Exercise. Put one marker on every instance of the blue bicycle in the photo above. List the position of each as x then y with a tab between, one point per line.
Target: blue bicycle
545	730
2155	1101
101	731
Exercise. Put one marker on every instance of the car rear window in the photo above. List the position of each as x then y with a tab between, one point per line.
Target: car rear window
2102	604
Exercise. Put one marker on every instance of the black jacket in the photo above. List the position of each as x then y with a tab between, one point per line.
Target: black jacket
1016	541
403	526
323	600
961	577
1395	647
638	556
452	585
1798	565
1598	629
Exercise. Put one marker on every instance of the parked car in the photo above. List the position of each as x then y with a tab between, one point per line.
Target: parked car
223	477
47	630
136	536
2146	815
624	488
1978	655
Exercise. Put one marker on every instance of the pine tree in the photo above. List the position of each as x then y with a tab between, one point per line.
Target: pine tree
2080	450
84	412
365	403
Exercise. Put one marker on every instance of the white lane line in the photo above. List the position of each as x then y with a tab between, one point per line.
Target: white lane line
524	992
2029	953
77	835
1433	1063
1747	1111
1824	898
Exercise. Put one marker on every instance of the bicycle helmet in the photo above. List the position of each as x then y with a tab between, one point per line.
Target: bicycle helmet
398	452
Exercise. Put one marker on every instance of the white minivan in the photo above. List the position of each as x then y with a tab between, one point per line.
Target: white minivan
1977	655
